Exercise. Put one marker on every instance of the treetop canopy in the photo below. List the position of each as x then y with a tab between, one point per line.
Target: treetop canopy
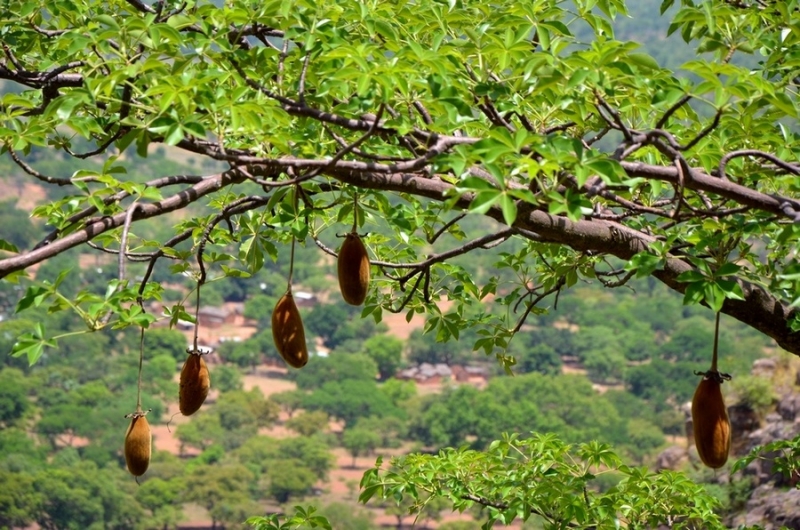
406	120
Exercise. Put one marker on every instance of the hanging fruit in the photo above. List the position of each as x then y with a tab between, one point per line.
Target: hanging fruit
710	422
138	442
194	383
353	269
288	333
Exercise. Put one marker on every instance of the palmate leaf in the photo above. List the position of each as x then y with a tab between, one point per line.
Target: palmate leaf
33	345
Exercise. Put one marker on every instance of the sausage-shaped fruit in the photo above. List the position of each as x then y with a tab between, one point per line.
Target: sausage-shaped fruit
712	428
288	333
138	445
194	385
353	270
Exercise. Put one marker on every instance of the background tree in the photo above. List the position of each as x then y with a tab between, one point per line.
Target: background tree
217	486
387	352
308	423
289	478
165	341
360	441
288	400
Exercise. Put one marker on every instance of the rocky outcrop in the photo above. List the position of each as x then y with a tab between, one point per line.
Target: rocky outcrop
671	458
772	508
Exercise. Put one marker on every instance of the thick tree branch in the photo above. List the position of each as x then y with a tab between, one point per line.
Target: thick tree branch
759	309
104	224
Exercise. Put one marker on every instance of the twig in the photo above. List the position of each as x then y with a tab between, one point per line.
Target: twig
445	227
678	188
529	307
123	245
30	171
791	168
705	132
616	123
301	86
668	114
141	6
426	117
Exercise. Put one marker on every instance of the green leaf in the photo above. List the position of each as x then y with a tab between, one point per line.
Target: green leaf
7	246
509	207
691	276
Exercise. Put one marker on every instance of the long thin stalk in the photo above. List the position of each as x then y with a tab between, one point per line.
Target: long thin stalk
294	240
196	318
716	343
139	381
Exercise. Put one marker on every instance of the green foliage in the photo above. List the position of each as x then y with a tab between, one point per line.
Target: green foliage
289	478
350	400
308	423
165	341
83	496
425	348
19	500
387	352
217	488
360	441
13	396
399	391
226	378
754	391
288	400
341	515
303	518
784	454
515	479
533	127
566	405
334	369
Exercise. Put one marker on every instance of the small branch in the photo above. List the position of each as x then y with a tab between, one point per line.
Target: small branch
679	188
791	168
619	282
559	128
378	158
616	122
599	136
705	132
485	502
410	294
30	171
131	256
445	228
91	210
426	117
141	6
529	307
301	86
668	114
236	207
480	242
123	245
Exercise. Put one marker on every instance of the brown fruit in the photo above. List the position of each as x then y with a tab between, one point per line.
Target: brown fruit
712	428
137	445
194	386
288	333
353	269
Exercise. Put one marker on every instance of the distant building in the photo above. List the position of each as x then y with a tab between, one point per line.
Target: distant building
432	374
214	317
305	299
